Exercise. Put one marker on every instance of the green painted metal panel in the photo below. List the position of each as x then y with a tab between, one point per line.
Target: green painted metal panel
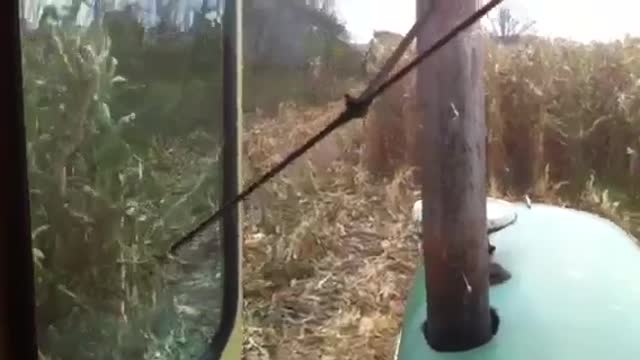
574	294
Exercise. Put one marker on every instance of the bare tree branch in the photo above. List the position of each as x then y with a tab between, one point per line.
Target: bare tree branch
507	28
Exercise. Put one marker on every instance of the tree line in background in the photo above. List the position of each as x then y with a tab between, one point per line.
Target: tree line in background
170	49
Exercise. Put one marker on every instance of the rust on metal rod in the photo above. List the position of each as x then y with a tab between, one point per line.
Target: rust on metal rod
451	95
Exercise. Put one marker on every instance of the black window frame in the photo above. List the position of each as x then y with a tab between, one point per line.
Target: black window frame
17	284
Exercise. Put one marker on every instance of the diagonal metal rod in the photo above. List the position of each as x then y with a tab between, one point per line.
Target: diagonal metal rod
354	108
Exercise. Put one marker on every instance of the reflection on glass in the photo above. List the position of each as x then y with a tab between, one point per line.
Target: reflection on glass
123	113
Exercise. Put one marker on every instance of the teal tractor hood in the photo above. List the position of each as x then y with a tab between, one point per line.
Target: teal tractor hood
574	292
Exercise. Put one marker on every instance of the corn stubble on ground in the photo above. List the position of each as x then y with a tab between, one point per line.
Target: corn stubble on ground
330	249
327	250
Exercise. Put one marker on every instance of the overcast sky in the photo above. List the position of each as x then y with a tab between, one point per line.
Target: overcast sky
581	20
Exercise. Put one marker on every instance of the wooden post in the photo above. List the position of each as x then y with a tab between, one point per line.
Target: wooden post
451	94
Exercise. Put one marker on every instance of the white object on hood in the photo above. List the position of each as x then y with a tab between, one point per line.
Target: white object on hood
499	213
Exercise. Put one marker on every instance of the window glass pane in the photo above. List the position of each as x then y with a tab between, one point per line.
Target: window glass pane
123	113
331	247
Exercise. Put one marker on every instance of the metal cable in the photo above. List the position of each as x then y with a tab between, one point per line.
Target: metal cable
354	108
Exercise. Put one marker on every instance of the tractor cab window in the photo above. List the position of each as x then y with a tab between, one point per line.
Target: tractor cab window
123	110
